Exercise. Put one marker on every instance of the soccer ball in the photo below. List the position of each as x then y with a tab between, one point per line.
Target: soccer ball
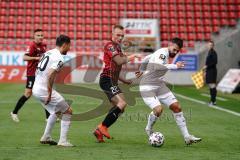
156	139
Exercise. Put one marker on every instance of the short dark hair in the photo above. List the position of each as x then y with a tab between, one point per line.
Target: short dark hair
210	41
38	30
118	26
62	39
178	41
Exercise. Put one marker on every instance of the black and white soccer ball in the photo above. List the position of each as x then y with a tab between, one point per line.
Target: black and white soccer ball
156	139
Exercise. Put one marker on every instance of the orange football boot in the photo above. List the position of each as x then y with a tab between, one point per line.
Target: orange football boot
98	135
104	130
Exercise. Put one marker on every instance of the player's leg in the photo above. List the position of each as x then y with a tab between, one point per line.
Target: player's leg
47	114
27	94
46	138
213	93
65	125
119	103
148	94
170	100
152	118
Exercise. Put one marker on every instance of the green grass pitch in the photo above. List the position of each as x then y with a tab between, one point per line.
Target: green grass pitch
219	130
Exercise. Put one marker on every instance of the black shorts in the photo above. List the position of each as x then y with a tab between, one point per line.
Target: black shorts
30	82
211	75
108	87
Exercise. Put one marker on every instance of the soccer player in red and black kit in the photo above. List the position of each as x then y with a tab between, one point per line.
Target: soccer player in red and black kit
32	55
113	59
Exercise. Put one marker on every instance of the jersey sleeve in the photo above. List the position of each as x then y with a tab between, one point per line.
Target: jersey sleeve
112	51
159	58
144	63
30	51
57	64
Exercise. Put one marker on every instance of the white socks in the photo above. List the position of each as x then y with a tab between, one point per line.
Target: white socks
65	124
151	120
180	120
50	123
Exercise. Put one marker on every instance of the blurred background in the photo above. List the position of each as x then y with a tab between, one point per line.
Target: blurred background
149	26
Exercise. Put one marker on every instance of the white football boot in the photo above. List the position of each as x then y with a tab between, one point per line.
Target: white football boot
14	117
65	144
191	139
47	140
149	131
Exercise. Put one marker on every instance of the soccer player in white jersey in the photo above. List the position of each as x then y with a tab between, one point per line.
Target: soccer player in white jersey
48	67
154	90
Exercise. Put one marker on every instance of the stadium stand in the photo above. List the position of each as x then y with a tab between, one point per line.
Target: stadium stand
91	20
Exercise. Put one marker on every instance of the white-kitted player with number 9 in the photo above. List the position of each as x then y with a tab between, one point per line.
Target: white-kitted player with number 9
48	67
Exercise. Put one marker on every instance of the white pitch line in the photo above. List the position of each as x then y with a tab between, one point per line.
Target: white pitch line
218	98
211	106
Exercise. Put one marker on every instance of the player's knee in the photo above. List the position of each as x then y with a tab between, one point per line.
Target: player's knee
157	111
28	94
68	111
122	104
175	107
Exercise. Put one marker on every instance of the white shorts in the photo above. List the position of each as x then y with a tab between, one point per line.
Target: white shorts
153	97
57	103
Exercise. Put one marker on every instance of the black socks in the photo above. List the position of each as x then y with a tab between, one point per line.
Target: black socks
213	93
19	104
112	116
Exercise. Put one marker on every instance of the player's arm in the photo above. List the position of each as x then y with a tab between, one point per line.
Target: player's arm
211	60
29	55
124	59
26	57
143	66
123	80
51	77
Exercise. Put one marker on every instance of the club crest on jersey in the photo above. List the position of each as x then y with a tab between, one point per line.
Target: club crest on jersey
112	49
162	56
60	64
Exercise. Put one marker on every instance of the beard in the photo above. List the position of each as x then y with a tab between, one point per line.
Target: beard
172	55
64	53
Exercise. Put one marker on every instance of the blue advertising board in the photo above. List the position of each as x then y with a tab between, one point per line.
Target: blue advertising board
191	61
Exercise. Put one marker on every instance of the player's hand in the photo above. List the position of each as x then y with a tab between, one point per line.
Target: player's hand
204	68
138	74
37	58
180	64
128	82
48	100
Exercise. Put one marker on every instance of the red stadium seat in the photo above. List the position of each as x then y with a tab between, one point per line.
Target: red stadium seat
224	22
197	7
97	20
189	7
190	21
191	36
164	36
113	6
29	4
216	22
207	29
37	5
191	29
37	20
199	36
19	34
105	21
164	28
206	7
11	19
183	35
45	27
63	6
182	29
232	22
180	7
